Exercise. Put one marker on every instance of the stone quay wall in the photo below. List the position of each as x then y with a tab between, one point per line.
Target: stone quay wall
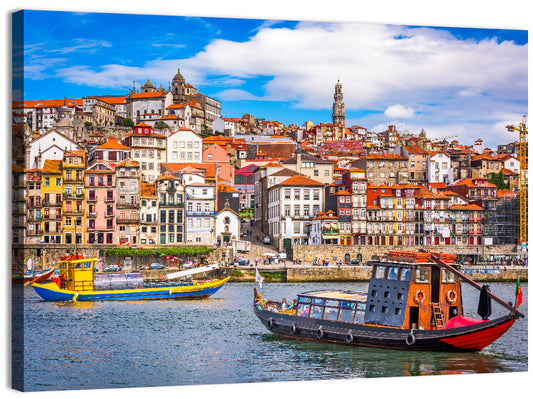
333	253
47	255
301	274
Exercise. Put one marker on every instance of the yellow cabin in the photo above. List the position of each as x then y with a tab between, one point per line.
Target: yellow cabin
77	274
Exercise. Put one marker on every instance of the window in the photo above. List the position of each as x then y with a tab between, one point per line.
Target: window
380	272
393	273
347	311
422	275
405	274
287	193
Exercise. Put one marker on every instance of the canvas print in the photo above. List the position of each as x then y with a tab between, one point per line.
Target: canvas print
200	200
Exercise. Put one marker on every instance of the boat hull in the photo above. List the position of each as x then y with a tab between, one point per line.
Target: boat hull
51	292
462	339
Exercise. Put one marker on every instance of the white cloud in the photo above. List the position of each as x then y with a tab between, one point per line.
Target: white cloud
399	111
449	82
236	95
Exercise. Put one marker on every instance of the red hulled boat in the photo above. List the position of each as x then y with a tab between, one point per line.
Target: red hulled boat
414	301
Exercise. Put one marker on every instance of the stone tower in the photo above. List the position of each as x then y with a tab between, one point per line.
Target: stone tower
338	106
178	89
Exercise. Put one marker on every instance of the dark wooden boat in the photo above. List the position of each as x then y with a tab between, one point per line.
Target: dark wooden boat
413	302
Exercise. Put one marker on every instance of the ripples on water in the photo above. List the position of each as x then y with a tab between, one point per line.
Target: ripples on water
219	340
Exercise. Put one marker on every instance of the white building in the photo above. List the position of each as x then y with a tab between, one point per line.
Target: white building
184	146
200	214
440	168
228	225
291	205
51	145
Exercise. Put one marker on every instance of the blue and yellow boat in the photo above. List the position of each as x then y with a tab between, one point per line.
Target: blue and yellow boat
77	281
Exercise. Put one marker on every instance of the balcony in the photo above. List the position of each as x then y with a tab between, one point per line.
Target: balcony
201	213
73	196
52	204
76	212
74	179
129	220
128	205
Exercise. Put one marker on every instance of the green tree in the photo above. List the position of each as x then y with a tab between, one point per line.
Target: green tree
128	122
160	125
499	181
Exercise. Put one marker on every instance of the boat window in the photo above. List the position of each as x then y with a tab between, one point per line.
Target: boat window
303	299
360	314
380	272
331	302
87	265
62	265
393	273
405	274
447	276
316	311
331	313
303	309
77	265
346	304
422	275
347	315
318	301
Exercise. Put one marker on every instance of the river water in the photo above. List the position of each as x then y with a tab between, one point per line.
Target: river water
219	340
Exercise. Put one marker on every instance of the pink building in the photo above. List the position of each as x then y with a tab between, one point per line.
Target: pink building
219	155
100	206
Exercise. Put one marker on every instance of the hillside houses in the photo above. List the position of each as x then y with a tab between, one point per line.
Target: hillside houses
313	184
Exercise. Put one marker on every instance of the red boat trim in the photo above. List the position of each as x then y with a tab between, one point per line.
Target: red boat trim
479	339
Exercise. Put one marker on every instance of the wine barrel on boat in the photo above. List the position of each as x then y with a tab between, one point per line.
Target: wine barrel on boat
118	281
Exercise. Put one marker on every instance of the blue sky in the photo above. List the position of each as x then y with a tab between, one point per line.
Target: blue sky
460	82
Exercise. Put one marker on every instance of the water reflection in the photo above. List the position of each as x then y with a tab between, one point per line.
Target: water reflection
354	361
217	341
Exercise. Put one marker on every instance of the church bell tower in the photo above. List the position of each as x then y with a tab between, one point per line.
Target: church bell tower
338	106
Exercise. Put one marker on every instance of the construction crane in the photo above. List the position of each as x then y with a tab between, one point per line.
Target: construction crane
522	128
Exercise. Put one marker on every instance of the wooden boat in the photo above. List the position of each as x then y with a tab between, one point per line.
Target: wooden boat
37	276
78	282
413	302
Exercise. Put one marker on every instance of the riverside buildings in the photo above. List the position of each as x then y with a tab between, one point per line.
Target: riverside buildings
146	186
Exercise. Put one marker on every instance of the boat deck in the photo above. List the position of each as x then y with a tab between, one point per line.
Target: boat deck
337	294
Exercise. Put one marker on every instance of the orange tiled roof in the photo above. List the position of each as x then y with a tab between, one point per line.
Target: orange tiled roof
415	150
52	166
385	156
299	180
470	183
148	95
505	194
112	144
148	190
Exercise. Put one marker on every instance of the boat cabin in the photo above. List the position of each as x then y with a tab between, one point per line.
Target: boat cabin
407	291
76	273
410	291
345	306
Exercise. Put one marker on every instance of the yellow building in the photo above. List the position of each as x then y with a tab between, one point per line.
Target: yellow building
73	166
52	194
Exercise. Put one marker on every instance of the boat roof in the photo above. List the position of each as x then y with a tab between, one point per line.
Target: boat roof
337	294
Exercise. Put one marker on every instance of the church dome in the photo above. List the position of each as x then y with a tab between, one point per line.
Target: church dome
178	77
148	84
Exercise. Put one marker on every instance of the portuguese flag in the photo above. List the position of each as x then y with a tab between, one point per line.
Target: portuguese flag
518	293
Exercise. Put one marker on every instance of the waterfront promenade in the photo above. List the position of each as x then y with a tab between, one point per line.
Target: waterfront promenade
291	272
